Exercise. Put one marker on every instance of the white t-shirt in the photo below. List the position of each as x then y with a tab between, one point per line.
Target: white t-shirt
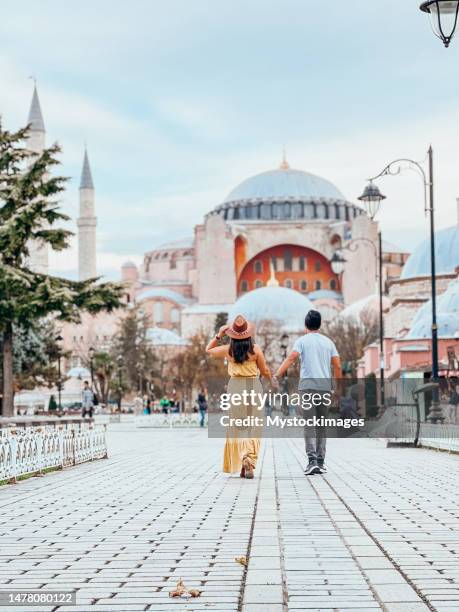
316	352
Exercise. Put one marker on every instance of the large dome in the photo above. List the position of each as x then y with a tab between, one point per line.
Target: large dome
279	305
447	316
284	184
286	194
446	255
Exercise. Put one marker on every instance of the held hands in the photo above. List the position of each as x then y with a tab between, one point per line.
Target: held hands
275	382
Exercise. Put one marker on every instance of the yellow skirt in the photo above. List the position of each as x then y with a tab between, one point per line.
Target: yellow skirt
242	441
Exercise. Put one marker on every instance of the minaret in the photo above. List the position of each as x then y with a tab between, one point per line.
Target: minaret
87	223
38	258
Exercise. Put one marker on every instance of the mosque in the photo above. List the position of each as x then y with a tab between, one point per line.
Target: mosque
265	251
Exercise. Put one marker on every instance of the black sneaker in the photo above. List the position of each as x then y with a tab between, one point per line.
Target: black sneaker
322	467
312	468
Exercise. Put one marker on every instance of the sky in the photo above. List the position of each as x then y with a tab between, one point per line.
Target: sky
180	101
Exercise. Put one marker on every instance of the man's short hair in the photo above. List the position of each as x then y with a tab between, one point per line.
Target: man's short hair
313	320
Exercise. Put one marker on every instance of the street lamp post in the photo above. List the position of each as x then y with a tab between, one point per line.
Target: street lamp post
443	18
58	340
120	362
91	353
338	264
393	169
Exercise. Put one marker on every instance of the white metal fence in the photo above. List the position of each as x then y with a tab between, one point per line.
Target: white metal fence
34	449
174	420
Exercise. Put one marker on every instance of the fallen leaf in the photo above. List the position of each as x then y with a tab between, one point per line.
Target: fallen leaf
182	591
242	561
179	590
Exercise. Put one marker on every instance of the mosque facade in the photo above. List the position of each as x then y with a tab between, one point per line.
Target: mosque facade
265	250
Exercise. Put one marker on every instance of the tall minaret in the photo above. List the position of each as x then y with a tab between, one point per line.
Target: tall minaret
87	223
38	258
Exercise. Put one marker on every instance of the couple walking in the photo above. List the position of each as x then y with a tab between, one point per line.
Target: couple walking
319	363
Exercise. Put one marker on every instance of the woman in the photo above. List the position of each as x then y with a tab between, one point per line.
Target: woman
246	363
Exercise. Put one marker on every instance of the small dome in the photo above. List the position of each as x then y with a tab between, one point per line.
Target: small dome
129	264
166	294
273	304
182	243
325	294
367	306
159	336
446	255
284	183
79	372
447	316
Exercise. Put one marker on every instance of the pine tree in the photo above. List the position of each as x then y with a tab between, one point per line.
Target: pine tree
29	211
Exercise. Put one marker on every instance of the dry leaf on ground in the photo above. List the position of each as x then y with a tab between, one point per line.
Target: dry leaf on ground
182	591
179	590
242	561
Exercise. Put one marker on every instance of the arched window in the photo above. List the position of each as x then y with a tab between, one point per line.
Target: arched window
333	284
317	266
175	315
297	211
244	286
258	284
258	266
304	285
158	312
303	263
265	211
288	283
288	259
318	285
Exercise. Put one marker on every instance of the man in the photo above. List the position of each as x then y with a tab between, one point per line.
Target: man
319	363
87	400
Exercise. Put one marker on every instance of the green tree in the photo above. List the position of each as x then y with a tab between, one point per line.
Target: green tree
133	345
220	319
29	211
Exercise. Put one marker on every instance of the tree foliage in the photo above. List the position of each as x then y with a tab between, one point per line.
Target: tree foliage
29	210
351	337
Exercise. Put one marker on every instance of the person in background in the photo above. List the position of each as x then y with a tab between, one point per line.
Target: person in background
320	363
87	400
202	405
164	405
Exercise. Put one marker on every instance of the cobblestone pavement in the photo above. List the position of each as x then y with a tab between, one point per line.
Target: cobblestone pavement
379	531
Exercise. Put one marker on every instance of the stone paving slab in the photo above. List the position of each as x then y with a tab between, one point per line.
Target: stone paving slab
378	531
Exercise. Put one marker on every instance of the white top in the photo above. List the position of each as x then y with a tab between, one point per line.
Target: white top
316	352
88	398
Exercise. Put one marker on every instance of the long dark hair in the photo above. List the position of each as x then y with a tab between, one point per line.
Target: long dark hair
239	350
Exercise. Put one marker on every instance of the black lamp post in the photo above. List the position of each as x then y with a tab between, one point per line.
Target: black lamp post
393	169
58	340
443	18
338	263
91	353
120	363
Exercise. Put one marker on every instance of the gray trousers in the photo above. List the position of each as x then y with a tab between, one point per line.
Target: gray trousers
315	438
